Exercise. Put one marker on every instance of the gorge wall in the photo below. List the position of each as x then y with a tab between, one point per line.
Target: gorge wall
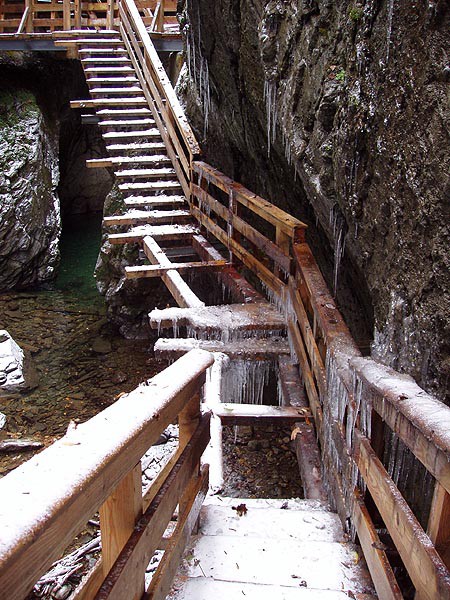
338	113
43	177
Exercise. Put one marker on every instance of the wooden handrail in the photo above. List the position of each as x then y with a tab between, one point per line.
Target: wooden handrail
48	500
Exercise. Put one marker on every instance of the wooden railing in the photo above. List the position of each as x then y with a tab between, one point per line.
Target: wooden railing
49	499
226	208
179	140
35	16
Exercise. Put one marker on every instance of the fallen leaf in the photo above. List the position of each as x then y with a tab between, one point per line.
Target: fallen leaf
241	509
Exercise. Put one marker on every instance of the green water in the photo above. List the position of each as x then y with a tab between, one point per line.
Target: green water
79	247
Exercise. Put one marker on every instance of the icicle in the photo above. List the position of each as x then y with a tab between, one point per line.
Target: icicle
270	97
339	234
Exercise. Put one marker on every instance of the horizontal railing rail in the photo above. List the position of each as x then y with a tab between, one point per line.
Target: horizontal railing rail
219	204
48	500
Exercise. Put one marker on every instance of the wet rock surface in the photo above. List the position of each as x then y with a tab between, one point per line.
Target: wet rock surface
338	113
29	205
259	463
75	381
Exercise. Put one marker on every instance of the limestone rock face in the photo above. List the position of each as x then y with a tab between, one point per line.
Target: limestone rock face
29	207
338	112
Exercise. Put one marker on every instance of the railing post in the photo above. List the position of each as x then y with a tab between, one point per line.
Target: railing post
439	523
77	14
66	15
118	516
188	421
110	15
29	22
160	18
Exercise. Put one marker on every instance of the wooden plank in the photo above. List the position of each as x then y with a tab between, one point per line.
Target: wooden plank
144	541
254	414
118	516
426	569
250	261
176	285
310	385
163	577
108	102
149	217
252	234
315	358
380	570
24	20
79	472
158	270
90	583
157	232
253	349
271	213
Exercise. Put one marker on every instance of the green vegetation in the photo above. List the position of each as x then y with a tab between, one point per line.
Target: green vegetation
340	76
355	13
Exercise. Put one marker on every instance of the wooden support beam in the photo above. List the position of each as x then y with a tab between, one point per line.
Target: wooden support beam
176	285
252	349
158	271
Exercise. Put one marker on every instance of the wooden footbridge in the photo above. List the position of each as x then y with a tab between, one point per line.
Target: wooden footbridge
277	316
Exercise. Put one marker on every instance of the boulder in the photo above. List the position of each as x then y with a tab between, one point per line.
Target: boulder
16	372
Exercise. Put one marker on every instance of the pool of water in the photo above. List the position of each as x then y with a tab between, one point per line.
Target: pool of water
81	363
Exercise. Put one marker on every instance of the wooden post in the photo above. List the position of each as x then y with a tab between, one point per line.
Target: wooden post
29	22
188	421
283	242
77	14
439	523
118	516
160	17
110	15
66	15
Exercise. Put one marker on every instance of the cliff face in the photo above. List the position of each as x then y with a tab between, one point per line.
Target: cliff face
338	112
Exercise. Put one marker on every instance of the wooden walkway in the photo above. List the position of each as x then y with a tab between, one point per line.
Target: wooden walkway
270	550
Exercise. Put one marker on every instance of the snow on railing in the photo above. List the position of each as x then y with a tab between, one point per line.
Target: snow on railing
48	500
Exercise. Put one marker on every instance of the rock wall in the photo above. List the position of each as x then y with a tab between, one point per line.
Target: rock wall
338	112
29	209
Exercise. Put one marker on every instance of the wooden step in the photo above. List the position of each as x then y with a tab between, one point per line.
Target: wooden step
143	271
228	318
251	349
163	173
269	553
144	133
254	414
108	70
123	91
152	159
152	217
156	147
86	33
127	123
106	60
154	201
89	50
111	41
151	186
124	113
157	232
113	80
94	102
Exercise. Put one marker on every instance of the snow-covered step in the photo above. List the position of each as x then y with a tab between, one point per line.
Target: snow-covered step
106	60
155	147
91	50
112	80
157	232
144	133
109	102
105	91
150	217
97	41
229	318
251	349
155	201
138	122
108	70
151	186
154	160
124	113
248	550
162	173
